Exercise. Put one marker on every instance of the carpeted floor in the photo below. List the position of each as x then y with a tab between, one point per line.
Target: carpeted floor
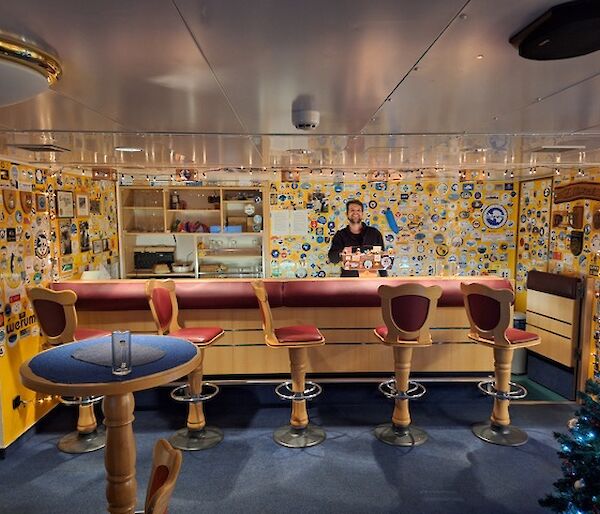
351	472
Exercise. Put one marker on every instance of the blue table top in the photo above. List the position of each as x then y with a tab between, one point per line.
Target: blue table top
59	365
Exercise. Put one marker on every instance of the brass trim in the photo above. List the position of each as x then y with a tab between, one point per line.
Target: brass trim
28	55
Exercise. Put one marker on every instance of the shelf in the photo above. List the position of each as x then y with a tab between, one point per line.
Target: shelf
162	233
249	274
134	207
216	211
150	274
228	252
229	234
185	233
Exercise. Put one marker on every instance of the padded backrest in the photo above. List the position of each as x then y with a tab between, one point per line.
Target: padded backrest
265	311
166	464
160	295
55	312
407	311
488	311
162	304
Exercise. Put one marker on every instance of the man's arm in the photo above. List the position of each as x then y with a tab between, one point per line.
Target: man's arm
337	245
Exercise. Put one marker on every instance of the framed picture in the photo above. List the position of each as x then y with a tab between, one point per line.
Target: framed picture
41	203
64	204
65	237
97	246
83	205
84	236
105	245
95	207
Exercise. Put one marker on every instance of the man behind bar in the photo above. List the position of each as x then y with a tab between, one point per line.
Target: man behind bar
357	233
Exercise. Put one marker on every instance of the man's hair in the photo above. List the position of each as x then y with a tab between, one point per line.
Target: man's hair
354	202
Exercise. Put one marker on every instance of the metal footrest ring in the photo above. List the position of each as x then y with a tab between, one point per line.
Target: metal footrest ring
182	393
311	390
516	392
415	390
80	400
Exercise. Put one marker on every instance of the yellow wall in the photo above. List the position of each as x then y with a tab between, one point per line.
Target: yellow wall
30	254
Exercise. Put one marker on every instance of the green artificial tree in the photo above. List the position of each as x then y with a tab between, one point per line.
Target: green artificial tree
578	492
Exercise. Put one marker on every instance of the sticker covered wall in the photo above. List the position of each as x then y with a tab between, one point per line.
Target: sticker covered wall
432	227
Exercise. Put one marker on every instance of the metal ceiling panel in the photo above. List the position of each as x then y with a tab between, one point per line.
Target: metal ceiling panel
348	54
131	61
455	91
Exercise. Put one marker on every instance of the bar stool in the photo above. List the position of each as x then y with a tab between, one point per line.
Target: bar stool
57	318
407	312
489	315
165	311
300	433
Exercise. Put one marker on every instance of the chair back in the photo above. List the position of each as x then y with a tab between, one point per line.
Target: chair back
166	463
407	311
488	311
163	304
55	313
265	311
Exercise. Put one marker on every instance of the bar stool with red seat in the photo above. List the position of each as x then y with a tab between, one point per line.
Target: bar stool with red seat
489	315
57	318
297	339
165	311
407	311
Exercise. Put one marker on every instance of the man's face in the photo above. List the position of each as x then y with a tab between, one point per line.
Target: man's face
355	213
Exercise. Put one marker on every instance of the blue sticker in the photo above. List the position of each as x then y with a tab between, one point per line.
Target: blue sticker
420	236
319	239
275	254
306	247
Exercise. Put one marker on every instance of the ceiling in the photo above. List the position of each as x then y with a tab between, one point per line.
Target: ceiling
399	84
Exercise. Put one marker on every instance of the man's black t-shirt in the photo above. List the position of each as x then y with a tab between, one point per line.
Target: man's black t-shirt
368	236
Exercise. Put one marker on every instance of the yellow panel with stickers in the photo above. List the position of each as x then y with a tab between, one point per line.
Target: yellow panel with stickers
49	223
434	227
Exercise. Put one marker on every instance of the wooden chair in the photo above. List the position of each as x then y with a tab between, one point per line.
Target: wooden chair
166	464
297	339
57	318
165	311
407	311
489	315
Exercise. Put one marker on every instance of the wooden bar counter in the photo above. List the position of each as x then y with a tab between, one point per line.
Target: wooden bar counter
345	309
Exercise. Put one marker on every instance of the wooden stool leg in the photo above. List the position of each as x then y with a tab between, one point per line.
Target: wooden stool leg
502	367
299	433
400	432
88	436
402	360
119	457
298	357
196	435
86	421
499	430
195	419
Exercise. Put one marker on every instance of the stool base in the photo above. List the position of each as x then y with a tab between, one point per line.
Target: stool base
502	435
291	437
186	439
389	433
76	442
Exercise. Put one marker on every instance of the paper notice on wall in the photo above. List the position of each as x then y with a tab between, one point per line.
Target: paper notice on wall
280	222
299	222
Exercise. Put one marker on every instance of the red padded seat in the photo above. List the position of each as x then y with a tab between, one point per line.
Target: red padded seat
82	333
515	335
298	334
198	335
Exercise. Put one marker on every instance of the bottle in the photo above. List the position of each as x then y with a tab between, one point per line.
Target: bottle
175	200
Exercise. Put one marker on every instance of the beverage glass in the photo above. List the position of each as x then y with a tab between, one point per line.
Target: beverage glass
121	352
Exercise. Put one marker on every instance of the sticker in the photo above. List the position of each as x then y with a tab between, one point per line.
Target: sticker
495	216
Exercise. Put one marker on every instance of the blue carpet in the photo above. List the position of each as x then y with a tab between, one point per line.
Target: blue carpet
351	472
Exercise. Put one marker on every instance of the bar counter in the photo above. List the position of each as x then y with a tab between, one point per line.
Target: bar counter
346	310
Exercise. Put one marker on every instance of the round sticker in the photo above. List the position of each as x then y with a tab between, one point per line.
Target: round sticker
495	216
257	218
441	250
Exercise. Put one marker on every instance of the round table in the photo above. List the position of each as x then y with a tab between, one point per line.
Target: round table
56	371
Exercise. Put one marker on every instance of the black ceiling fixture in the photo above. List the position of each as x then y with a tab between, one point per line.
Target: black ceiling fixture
565	30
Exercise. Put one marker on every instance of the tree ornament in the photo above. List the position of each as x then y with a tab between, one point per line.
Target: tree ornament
572	423
579	484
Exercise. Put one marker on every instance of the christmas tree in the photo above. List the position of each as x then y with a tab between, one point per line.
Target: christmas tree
578	492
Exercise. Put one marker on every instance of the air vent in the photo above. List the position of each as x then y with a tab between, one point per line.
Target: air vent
38	148
558	149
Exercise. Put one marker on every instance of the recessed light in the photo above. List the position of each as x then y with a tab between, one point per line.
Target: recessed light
129	149
480	56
